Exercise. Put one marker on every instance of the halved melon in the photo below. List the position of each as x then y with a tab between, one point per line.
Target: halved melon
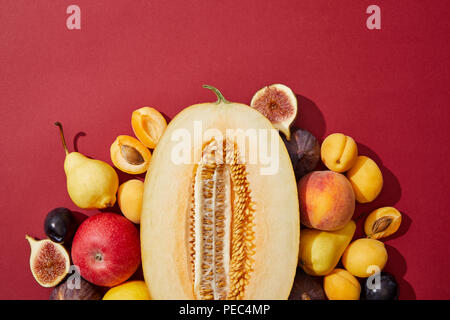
217	223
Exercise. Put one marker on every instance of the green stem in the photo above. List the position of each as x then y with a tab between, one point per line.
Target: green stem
220	97
58	124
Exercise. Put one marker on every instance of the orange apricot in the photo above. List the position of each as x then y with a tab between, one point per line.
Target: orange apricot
383	222
129	155
364	256
341	285
366	179
129	197
148	125
339	152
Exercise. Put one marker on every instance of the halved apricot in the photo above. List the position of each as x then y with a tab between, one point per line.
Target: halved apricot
129	155
382	222
148	126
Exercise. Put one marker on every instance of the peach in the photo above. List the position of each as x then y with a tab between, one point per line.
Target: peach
366	179
327	201
339	152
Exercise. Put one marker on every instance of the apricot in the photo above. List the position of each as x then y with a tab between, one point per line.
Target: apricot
341	285
382	222
148	125
327	201
130	290
364	256
339	152
366	179
129	198
129	155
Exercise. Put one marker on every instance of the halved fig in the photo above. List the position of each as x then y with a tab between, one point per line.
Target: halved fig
129	155
49	261
278	103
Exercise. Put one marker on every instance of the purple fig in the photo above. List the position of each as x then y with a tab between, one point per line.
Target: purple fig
304	151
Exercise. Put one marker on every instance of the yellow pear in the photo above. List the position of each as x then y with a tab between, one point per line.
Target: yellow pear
320	251
92	184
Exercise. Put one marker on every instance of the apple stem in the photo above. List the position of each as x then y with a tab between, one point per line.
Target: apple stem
61	132
220	97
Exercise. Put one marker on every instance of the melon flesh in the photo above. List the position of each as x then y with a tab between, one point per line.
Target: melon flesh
219	229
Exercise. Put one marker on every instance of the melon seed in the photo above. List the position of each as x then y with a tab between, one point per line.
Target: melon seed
221	236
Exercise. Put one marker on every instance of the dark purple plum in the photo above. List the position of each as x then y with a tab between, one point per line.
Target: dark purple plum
60	225
387	289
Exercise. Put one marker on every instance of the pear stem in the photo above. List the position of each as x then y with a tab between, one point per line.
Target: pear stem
61	132
220	97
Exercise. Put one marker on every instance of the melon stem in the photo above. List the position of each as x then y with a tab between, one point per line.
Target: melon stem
220	97
61	132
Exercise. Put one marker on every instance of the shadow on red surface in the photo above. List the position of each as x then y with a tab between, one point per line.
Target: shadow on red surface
311	117
75	140
397	266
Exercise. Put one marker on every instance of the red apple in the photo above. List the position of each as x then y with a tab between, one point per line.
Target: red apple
106	248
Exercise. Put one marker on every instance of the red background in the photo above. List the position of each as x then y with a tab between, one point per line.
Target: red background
386	88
